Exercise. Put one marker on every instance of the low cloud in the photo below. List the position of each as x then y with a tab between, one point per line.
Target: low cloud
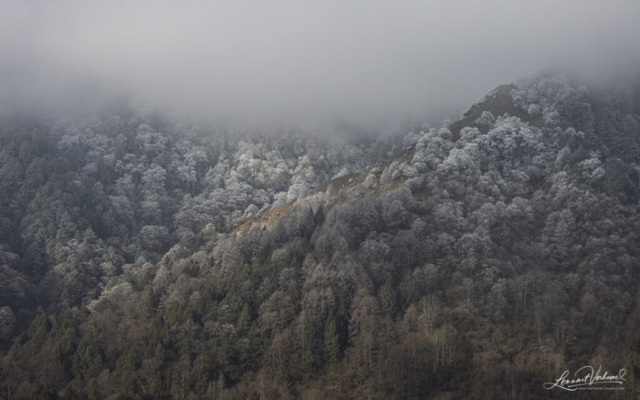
290	58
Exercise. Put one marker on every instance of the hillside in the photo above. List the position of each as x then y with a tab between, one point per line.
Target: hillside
480	262
83	199
498	102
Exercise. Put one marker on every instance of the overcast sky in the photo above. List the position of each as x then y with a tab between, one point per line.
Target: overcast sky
217	58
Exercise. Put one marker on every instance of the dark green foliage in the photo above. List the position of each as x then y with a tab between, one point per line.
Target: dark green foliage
192	270
39	326
150	300
244	320
274	395
94	393
219	224
388	298
331	340
42	392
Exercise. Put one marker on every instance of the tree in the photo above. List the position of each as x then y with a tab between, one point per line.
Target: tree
154	237
7	322
388	298
331	340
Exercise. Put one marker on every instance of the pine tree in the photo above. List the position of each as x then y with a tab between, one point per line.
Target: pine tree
244	320
94	394
331	340
388	299
149	301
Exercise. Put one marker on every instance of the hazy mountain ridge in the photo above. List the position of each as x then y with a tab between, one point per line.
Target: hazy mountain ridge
498	102
478	267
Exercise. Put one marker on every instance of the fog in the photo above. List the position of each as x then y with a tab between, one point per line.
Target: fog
253	60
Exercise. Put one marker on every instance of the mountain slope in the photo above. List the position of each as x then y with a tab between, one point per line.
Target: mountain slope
82	199
481	267
498	102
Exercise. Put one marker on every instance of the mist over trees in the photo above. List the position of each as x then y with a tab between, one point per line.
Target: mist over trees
283	200
82	199
478	267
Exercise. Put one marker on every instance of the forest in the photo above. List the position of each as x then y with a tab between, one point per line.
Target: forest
406	262
80	200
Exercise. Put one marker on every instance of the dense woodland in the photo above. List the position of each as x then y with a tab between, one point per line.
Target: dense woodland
80	201
476	268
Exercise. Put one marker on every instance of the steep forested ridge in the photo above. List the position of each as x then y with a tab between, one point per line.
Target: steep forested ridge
475	268
82	200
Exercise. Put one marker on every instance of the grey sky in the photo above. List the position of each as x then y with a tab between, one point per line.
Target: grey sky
302	57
